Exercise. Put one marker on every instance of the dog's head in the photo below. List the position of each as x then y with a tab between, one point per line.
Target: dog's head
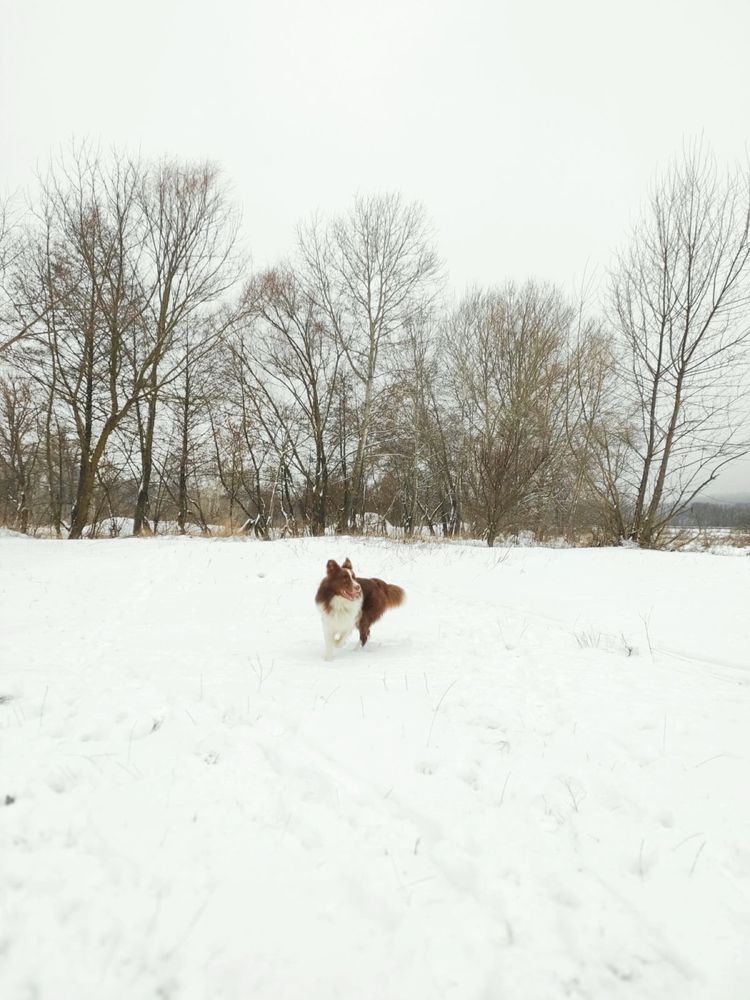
342	581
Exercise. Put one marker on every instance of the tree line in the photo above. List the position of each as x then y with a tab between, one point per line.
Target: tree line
147	372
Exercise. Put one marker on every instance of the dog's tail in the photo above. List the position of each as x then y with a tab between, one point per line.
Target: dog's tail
394	595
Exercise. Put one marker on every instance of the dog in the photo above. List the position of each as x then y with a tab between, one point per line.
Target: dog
346	601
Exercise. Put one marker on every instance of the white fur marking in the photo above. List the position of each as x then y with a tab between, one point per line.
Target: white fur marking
338	621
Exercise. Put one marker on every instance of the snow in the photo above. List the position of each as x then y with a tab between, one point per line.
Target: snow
532	783
121	527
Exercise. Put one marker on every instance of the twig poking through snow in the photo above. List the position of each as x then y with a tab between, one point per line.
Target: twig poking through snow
259	670
41	710
685	841
395	870
716	756
575	800
437	709
697	855
505	785
646	619
190	927
589	639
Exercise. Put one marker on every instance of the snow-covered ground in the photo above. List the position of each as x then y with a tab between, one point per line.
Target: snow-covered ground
533	783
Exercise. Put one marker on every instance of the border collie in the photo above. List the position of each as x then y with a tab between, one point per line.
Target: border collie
345	601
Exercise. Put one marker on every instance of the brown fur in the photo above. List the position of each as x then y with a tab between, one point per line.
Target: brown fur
377	595
336	582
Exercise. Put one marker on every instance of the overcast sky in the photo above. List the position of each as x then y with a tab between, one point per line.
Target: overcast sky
530	130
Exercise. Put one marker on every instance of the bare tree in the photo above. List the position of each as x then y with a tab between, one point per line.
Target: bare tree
596	432
268	434
371	272
89	347
21	306
8	333
189	398
681	302
294	360
94	317
414	489
19	449
507	357
190	230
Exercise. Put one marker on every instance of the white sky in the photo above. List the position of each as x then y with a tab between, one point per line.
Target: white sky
530	130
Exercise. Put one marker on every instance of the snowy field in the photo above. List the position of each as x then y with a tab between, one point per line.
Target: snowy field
534	782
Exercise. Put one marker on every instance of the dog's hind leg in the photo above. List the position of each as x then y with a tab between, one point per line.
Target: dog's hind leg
364	630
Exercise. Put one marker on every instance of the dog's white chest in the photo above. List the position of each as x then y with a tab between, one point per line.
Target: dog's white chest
342	614
339	618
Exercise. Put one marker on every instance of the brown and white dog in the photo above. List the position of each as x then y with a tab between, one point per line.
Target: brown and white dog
345	601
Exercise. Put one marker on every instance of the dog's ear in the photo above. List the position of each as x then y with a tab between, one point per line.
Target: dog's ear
347	564
332	567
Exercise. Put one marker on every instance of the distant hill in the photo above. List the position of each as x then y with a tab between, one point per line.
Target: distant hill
718	513
727	498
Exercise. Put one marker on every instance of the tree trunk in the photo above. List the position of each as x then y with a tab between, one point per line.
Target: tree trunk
320	503
147	449
356	498
182	489
84	494
86	469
